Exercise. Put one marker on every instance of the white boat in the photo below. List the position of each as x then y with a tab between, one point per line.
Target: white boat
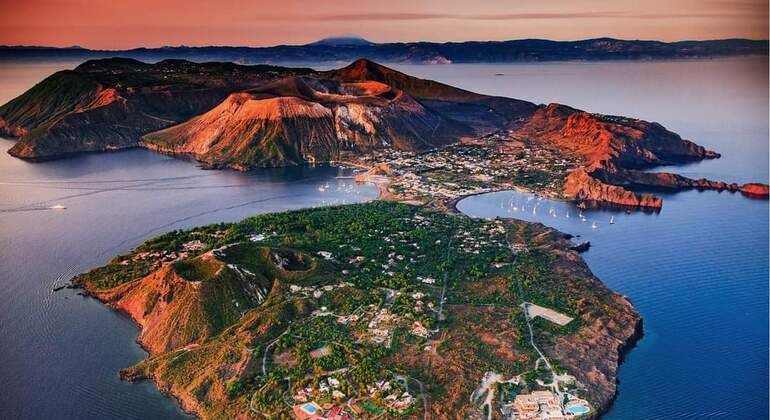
594	226
58	207
612	220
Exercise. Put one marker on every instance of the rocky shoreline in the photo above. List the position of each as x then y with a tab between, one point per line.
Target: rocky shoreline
127	374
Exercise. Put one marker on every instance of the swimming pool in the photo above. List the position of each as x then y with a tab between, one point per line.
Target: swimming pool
577	409
309	408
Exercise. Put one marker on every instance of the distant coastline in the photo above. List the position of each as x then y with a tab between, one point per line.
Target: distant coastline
348	49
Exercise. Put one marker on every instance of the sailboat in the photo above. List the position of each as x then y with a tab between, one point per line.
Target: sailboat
612	220
594	226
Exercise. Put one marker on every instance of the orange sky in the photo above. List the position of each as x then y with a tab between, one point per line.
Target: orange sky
125	24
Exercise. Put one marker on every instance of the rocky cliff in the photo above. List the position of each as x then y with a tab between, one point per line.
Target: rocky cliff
603	139
595	351
614	150
583	187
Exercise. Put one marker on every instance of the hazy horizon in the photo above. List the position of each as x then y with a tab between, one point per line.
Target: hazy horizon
366	39
123	25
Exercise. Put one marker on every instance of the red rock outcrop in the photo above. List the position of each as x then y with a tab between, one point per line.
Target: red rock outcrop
582	187
603	140
174	311
613	150
754	189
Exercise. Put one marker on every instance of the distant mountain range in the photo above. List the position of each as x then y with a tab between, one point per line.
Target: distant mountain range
345	49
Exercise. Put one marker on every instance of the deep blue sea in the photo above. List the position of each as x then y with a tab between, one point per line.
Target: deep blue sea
697	271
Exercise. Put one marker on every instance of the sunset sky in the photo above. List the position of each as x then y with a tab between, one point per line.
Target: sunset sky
121	24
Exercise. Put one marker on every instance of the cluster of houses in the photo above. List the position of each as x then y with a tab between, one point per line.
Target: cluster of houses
396	398
471	167
159	257
327	387
387	395
473	243
316	291
419	302
380	328
423	185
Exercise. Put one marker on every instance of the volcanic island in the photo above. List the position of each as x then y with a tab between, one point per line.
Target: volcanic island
400	307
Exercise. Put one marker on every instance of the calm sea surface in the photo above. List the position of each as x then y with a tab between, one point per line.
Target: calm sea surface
697	271
59	352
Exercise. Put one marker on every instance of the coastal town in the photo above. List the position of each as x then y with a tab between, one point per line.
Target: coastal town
494	162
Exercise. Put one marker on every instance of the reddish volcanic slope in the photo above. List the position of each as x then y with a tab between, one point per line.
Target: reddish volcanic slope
603	140
300	119
245	117
244	131
612	150
176	310
109	104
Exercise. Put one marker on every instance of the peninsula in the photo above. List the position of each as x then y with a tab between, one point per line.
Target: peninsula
368	310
